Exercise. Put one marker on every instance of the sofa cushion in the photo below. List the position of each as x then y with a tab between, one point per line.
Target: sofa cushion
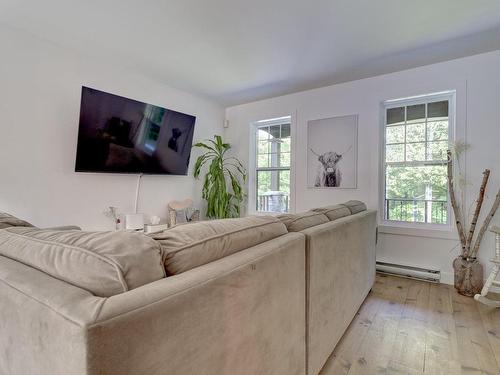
7	221
355	206
334	212
301	221
191	245
104	263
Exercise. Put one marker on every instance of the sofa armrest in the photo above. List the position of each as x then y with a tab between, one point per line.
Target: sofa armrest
243	314
42	322
340	273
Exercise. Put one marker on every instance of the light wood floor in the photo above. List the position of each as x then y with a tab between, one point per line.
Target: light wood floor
412	327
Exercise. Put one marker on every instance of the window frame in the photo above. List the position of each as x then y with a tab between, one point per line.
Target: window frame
449	96
253	168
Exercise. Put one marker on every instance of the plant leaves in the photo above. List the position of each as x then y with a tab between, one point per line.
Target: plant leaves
221	187
203	145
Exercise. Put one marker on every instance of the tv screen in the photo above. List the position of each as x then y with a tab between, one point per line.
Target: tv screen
120	135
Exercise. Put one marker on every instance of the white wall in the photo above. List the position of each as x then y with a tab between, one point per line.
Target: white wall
40	85
476	81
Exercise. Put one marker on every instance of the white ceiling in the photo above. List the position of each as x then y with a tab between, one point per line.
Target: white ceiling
236	51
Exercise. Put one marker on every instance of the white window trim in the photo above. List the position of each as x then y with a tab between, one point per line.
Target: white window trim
409	228
252	164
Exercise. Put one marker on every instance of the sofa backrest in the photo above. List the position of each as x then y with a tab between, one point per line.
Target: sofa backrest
7	221
355	206
334	212
303	220
321	215
104	263
191	245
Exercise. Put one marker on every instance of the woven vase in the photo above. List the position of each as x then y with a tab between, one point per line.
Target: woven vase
468	276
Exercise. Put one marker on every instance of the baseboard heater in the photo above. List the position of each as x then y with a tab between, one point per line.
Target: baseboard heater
411	272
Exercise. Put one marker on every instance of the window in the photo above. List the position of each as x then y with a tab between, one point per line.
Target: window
416	139
272	159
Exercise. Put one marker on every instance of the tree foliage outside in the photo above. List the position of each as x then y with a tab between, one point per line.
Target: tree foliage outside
416	182
412	190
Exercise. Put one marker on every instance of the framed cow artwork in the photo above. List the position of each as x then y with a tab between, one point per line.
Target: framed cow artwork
332	152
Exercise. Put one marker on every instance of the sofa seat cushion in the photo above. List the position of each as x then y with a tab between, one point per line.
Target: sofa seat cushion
191	245
104	263
304	220
7	221
355	206
334	212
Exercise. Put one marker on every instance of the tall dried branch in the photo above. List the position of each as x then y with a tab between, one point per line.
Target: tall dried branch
485	225
479	204
455	206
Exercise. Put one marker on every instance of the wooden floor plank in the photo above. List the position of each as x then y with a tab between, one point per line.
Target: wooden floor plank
441	352
412	327
409	349
477	334
341	360
469	358
383	331
491	322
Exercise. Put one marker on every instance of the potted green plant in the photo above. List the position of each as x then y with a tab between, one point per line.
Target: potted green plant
222	187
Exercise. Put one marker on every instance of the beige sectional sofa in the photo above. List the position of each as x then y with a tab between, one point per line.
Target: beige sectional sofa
258	295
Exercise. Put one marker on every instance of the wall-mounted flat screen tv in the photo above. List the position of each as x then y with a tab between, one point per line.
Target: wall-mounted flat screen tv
120	135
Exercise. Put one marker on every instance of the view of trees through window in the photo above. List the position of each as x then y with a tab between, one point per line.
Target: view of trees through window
416	141
273	167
